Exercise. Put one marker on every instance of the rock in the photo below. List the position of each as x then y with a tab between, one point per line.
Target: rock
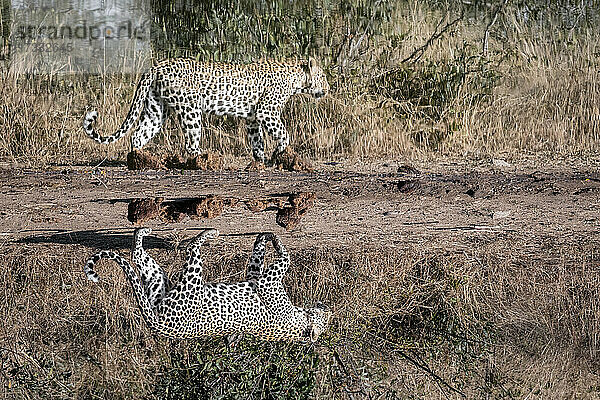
500	214
500	163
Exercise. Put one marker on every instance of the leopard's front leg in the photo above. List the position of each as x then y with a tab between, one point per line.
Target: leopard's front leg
277	130
269	117
255	139
191	273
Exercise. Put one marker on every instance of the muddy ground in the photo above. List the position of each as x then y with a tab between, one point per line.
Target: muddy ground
542	215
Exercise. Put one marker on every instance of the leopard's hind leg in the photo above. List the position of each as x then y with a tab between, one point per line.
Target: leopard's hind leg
255	139
191	274
191	123
154	280
151	121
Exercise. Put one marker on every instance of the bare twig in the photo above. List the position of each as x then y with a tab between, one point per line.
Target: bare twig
420	364
346	372
480	228
100	163
486	35
352	47
419	51
101	181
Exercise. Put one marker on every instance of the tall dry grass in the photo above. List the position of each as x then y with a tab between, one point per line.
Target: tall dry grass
535	91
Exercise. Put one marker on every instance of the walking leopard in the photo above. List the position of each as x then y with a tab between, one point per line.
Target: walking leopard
257	92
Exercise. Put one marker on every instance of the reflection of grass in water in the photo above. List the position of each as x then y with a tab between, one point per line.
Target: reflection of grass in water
208	369
476	319
248	30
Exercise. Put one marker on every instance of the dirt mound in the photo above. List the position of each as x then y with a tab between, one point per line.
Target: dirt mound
142	210
262	204
200	207
291	161
140	160
409	185
289	217
255	166
407	169
205	162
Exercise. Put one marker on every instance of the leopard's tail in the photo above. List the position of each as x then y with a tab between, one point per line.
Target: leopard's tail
141	93
142	300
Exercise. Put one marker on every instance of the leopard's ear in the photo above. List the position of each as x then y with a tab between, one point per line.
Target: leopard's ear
306	67
312	64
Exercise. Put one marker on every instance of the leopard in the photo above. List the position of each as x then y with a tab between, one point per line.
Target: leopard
256	92
188	307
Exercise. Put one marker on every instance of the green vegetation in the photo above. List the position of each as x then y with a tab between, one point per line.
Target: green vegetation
250	369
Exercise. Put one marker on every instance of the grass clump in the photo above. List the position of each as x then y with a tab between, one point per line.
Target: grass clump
429	91
210	369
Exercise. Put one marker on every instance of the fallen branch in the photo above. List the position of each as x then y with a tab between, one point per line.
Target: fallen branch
420	364
482	228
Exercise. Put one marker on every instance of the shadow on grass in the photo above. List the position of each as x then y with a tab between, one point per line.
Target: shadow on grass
97	239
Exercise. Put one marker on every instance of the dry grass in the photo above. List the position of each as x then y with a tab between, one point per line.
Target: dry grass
484	321
510	318
544	97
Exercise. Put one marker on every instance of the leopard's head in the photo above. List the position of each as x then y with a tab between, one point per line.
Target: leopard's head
318	320
316	81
